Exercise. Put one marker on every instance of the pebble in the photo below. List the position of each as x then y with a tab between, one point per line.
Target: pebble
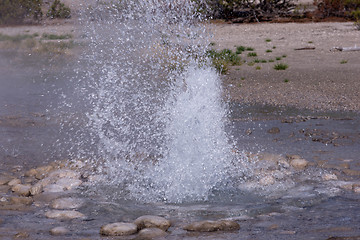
5	179
267	180
149	221
20	189
57	231
21	200
274	130
14	182
150	233
64	214
299	163
67	203
329	177
211	226
118	229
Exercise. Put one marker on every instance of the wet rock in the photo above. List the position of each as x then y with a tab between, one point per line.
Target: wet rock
150	233
274	130
43	171
211	226
149	221
329	177
64	214
69	183
64	173
267	180
20	189
299	163
14	182
57	231
53	188
21	200
21	235
5	179
351	172
118	229
67	203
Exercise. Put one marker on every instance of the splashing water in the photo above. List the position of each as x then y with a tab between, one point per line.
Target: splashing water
156	115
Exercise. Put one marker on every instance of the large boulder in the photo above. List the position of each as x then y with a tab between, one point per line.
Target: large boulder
149	221
118	229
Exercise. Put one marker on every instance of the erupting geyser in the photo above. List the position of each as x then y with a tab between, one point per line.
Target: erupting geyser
155	115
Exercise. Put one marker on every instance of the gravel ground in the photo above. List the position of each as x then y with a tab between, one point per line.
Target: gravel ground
320	79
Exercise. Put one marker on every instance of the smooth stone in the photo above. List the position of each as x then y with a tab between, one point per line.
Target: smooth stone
67	203
267	180
14	182
150	233
68	183
329	177
118	229
20	189
21	200
64	214
53	188
149	221
211	226
57	231
299	163
5	179
64	173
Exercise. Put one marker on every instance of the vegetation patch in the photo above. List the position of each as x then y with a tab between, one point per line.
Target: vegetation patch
281	66
56	37
221	60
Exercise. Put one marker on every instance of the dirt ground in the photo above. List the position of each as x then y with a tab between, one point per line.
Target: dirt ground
319	78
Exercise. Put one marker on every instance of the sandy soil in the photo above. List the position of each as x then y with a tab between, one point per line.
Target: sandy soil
316	79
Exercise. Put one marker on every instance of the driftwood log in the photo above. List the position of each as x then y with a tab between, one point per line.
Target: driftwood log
347	49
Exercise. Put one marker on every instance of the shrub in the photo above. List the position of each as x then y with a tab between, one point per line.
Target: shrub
281	66
221	60
58	10
337	8
19	11
252	54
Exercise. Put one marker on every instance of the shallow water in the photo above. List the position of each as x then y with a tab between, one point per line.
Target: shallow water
32	88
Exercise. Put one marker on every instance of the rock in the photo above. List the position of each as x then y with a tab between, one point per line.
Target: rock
42	172
64	173
150	233
21	200
20	189
149	221
69	183
31	173
53	188
67	203
274	130
299	163
64	214
14	182
118	229
211	226
5	179
36	189
351	172
267	180
329	177
57	231
21	235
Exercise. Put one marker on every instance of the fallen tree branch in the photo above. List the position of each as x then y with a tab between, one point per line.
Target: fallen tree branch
347	49
305	48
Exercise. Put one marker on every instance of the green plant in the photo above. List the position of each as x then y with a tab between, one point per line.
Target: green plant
252	54
19	11
337	8
268	40
257	67
263	61
250	49
271	60
242	78
278	58
268	50
286	80
343	61
240	49
221	60
58	10
274	47
256	60
281	66
284	56
251	64
17	38
310	41
356	15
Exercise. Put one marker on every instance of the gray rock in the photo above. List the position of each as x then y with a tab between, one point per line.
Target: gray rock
149	221
14	182
299	163
150	233
64	173
64	214
57	231
118	229
211	226
67	203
